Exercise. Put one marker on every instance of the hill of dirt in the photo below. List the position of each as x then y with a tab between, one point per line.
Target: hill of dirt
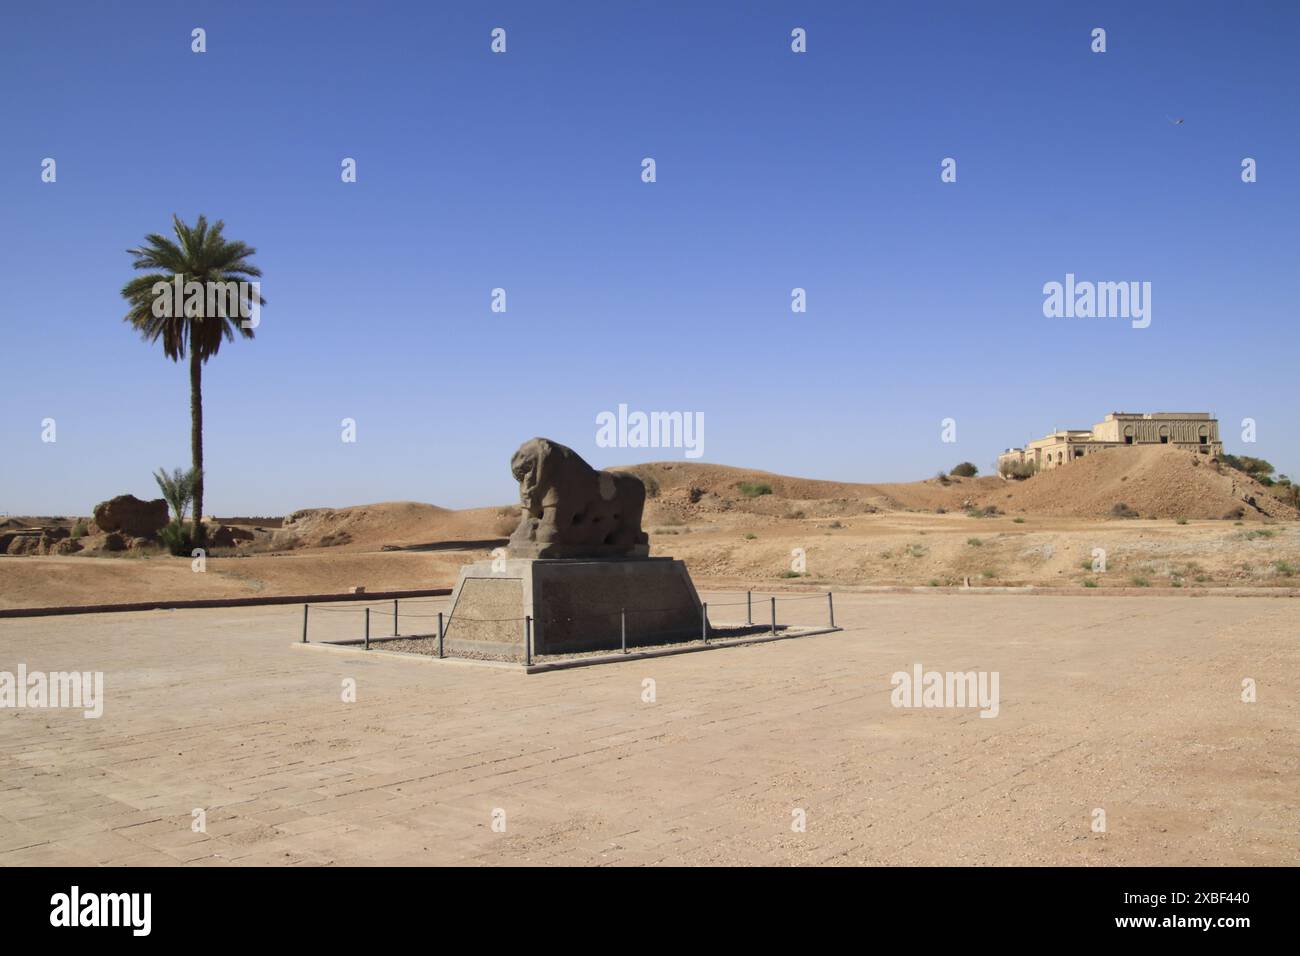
1153	482
686	490
395	524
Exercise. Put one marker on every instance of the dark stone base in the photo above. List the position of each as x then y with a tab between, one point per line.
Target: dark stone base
575	604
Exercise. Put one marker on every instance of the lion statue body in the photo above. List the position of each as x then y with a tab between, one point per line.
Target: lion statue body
571	510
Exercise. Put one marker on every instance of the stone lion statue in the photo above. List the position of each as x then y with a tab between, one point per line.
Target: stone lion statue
570	510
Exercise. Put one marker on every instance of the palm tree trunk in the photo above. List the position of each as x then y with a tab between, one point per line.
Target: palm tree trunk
196	439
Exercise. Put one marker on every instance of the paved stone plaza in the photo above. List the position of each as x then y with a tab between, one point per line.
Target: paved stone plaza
1132	705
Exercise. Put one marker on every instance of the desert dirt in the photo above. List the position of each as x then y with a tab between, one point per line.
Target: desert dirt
1195	529
1130	706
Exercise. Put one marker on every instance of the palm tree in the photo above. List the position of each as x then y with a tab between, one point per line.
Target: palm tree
198	253
177	488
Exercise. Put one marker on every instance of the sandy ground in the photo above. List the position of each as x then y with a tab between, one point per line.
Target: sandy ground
938	532
1129	705
892	548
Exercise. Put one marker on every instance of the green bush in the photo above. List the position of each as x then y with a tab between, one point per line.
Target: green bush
965	470
79	530
176	538
651	484
753	489
1257	468
1019	470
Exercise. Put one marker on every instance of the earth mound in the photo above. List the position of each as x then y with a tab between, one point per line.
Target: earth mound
1151	482
395	525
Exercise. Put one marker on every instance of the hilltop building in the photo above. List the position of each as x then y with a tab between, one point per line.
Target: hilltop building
1197	431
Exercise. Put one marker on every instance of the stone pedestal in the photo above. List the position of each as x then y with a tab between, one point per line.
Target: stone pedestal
574	604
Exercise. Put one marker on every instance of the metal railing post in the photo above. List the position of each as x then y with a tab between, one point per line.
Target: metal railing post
774	616
304	624
830	607
367	628
439	635
749	607
704	622
394	617
622	621
528	640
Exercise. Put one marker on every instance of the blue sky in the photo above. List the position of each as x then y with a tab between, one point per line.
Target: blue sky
522	171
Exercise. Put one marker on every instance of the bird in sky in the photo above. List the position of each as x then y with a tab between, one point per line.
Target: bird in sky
1175	122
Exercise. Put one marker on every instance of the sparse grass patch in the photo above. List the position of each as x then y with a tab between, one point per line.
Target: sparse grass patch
269	544
750	536
975	542
1122	510
1139	582
790	574
1090	583
1018	520
750	489
1284	568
